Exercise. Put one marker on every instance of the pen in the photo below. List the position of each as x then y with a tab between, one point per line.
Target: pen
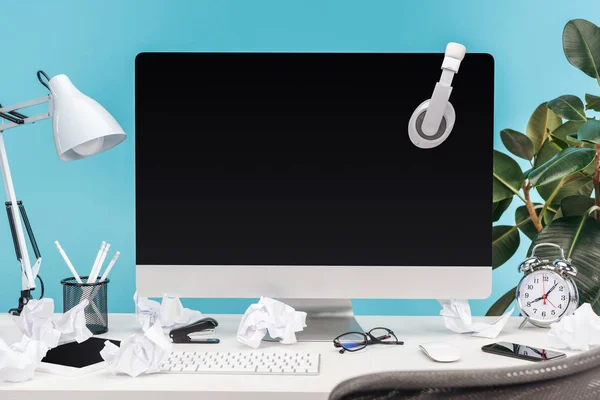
68	262
104	276
110	265
102	245
101	262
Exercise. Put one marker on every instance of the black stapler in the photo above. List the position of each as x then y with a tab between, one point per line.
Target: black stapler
203	326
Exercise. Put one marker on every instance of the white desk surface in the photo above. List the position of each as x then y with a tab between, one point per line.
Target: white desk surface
335	367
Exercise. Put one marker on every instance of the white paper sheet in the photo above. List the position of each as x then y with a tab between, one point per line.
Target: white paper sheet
576	332
139	354
42	330
279	319
457	318
170	313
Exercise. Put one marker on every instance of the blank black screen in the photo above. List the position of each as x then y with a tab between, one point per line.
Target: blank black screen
304	159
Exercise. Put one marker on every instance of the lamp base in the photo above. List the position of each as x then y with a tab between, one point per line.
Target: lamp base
23	300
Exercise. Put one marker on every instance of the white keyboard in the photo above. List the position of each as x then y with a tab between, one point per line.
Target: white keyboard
242	363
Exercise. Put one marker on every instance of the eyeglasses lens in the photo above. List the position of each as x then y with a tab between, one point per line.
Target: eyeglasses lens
352	341
383	335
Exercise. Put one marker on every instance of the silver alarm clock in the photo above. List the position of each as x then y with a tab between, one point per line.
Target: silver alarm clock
547	292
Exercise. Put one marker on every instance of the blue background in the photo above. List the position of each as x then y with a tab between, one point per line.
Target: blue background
95	42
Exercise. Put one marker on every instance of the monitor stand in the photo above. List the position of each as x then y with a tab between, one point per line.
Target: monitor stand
326	319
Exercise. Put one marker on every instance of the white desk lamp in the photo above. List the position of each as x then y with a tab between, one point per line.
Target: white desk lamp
81	128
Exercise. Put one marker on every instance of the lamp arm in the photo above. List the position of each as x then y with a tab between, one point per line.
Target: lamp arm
16	118
27	278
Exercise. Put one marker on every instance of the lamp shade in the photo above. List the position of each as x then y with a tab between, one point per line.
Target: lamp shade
81	126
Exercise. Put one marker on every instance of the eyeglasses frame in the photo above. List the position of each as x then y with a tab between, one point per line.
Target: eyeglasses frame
369	339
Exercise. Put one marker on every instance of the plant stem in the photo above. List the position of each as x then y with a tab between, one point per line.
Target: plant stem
552	196
596	177
515	191
526	220
511	230
532	214
576	237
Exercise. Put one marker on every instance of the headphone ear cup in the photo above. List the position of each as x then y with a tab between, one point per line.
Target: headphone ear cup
415	124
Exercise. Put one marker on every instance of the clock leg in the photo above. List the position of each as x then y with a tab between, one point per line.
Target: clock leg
523	323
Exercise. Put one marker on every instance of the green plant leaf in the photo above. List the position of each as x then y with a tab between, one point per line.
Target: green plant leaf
502	304
576	205
566	129
521	214
592	102
591	168
540	123
590	132
561	144
568	107
549	149
581	44
578	236
507	177
558	215
576	184
564	163
505	242
517	143
500	207
548	217
574	142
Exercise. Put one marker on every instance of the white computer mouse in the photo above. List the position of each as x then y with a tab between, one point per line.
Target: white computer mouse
441	352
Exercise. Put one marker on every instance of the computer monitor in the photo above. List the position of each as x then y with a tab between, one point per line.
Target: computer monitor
292	175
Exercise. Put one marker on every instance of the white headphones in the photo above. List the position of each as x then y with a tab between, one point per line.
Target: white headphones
433	120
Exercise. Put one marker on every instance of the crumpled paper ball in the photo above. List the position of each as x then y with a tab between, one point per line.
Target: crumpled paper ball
279	319
457	318
578	331
42	331
139	354
170	313
19	361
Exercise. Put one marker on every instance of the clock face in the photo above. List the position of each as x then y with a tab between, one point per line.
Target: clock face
544	296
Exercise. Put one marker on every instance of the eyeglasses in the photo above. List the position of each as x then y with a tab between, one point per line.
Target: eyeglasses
354	341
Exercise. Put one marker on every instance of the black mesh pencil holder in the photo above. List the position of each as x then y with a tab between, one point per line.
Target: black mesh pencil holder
96	313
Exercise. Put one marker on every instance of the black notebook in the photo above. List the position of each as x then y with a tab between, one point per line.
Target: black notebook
75	358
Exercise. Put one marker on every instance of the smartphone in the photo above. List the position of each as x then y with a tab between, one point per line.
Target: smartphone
522	352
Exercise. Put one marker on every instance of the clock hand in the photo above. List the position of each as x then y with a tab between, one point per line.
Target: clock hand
551	289
550	302
543	288
538	299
